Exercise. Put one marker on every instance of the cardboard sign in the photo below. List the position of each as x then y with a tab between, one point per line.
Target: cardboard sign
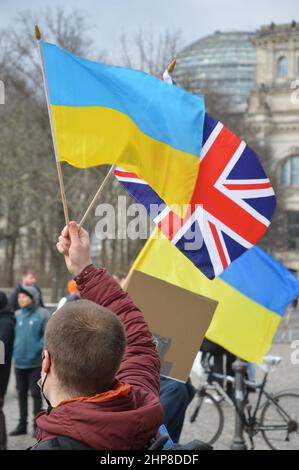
177	318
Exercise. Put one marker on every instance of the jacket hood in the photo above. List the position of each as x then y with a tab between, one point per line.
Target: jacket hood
3	300
125	422
32	292
7	311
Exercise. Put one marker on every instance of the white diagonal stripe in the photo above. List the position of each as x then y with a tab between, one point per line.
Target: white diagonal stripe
128	179
224	228
223	246
118	168
249	193
232	195
248	181
211	139
162	214
180	233
210	243
232	162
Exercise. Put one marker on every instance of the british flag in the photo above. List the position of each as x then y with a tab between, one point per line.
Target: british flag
231	207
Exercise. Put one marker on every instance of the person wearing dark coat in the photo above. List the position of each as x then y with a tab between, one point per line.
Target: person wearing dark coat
31	321
175	397
100	372
28	280
7	333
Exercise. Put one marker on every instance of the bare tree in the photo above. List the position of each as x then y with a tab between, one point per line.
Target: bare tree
149	52
31	213
69	30
30	202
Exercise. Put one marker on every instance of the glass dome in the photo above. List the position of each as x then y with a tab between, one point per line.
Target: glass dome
222	63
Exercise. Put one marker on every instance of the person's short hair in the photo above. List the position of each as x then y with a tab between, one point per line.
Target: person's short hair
86	343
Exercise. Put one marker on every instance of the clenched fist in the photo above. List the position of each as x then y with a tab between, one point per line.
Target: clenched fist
74	244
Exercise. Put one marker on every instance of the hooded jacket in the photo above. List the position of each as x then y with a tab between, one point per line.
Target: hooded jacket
13	299
29	332
129	415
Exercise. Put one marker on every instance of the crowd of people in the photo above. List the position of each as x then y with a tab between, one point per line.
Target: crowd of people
93	362
23	319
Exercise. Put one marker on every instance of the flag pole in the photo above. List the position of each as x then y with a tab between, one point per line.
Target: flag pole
169	69
38	37
98	193
171	66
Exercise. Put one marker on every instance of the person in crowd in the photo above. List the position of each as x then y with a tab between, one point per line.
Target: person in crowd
100	370
175	397
286	330
7	333
251	372
222	363
31	321
73	294
28	280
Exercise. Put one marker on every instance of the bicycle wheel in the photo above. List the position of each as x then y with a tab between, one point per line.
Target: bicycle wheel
206	418
280	420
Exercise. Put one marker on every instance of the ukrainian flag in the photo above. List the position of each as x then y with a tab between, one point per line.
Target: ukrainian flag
104	114
253	293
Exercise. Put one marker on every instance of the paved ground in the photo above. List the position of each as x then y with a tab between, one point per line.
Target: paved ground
12	416
286	376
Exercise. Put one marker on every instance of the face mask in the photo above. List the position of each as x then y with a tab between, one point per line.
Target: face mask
41	385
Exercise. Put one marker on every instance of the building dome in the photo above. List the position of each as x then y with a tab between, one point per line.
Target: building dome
222	63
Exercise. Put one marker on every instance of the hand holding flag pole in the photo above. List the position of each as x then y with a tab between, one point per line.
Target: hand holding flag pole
38	37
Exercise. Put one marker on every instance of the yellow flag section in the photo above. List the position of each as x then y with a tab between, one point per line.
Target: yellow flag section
240	324
103	114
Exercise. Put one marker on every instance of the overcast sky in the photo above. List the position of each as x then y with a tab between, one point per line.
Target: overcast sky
194	18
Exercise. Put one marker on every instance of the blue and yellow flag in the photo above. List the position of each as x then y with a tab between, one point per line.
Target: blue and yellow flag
104	114
253	293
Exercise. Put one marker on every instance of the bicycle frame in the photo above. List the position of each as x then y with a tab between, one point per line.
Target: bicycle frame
220	389
249	417
250	421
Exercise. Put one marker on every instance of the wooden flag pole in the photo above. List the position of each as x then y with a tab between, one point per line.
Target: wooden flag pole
62	192
38	37
98	193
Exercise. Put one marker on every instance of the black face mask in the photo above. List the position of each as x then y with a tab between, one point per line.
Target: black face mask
41	386
49	407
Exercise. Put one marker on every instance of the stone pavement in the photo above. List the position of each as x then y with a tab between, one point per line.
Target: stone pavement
284	377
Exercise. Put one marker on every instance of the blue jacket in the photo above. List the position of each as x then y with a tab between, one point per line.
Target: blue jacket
29	333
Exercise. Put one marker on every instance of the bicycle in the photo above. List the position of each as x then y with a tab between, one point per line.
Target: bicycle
277	418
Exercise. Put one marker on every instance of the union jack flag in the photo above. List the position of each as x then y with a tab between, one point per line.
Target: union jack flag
231	207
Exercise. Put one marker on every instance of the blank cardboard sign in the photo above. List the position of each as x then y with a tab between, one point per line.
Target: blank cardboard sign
178	319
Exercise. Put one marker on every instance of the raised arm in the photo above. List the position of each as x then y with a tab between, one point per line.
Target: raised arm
141	364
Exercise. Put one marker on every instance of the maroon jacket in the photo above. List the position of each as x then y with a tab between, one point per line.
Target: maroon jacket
128	417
